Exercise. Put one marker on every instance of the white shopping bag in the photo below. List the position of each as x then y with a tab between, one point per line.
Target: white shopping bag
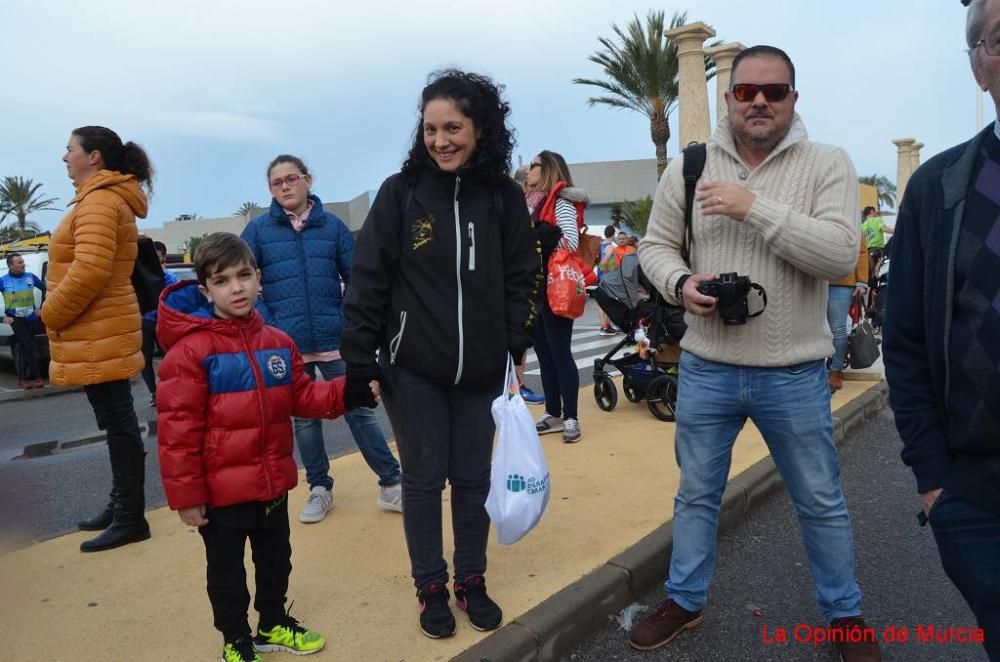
519	480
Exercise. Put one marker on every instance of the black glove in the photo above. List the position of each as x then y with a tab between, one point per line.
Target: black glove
548	238
357	392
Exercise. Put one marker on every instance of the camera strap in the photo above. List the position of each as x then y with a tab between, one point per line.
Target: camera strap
694	164
763	297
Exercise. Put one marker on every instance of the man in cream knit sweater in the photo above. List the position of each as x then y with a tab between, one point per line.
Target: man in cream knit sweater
782	210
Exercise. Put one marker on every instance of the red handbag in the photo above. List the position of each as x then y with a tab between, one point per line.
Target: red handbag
566	290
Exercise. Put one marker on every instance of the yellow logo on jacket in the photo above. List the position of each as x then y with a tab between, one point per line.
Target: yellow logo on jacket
423	232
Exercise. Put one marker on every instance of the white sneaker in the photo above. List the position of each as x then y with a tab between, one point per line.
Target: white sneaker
548	424
571	431
319	503
390	497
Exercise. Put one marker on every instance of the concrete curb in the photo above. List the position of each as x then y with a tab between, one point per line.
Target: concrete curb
32	394
47	448
554	627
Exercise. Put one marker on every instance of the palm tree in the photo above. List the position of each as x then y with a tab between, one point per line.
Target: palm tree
632	213
885	189
641	68
246	209
192	244
21	197
11	231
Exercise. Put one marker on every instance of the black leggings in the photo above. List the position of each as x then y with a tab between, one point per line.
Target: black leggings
554	349
443	434
114	410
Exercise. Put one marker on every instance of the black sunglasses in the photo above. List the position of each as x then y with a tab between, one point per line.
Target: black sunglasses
773	92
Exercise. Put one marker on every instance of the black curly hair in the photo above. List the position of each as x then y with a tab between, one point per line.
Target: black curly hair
479	99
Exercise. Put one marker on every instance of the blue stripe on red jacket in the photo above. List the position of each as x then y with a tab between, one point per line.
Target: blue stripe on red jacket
232	372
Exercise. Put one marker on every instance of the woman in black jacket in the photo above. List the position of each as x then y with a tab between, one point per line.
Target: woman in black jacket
443	284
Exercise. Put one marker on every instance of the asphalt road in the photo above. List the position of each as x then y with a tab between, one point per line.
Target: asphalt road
762	577
44	497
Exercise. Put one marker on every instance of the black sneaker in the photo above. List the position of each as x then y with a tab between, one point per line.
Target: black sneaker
436	619
470	596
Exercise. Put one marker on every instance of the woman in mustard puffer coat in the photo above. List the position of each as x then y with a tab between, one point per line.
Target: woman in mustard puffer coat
92	314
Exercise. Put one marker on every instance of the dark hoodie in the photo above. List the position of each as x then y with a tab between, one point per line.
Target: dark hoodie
444	278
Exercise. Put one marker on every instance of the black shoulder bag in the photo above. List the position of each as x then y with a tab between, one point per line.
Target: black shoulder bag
694	165
671	317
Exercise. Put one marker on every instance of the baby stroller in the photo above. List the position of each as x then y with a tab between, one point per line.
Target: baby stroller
879	290
638	309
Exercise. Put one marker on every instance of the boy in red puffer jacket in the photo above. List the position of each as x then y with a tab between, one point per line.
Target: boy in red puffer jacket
229	386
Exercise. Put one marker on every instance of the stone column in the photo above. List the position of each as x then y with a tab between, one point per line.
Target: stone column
903	167
915	156
693	97
723	56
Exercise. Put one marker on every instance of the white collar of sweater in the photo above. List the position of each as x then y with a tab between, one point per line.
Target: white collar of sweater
724	139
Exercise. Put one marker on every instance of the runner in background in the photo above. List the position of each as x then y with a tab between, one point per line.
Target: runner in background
18	289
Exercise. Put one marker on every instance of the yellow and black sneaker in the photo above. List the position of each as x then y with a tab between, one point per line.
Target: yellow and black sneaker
240	650
288	636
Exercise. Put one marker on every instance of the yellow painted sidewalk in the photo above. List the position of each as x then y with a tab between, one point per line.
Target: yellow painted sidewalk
351	580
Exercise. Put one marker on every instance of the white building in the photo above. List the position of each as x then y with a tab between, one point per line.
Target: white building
607	183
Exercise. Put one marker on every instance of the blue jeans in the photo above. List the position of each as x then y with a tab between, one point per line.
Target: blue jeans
968	540
364	427
791	408
837	304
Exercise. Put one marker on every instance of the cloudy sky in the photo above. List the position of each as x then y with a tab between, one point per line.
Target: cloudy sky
213	89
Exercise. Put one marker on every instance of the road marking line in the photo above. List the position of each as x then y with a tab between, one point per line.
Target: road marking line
585	361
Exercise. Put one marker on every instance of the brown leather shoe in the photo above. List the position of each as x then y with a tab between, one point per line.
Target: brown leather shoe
660	627
855	640
836	380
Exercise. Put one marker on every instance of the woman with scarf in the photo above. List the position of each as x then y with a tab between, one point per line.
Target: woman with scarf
552	200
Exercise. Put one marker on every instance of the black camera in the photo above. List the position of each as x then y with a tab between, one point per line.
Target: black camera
731	290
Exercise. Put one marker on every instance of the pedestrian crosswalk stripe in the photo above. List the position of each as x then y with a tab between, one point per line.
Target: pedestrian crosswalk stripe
583	347
582	361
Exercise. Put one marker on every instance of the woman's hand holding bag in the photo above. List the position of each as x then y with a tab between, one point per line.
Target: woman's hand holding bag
519	487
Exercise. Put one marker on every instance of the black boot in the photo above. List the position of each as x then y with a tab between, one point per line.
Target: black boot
128	470
102	520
